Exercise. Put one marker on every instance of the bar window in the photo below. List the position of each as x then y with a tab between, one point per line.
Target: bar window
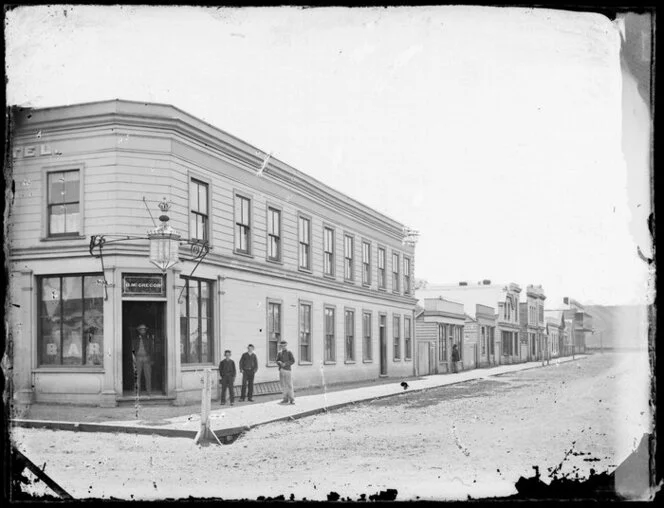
330	346
395	272
348	257
242	225
273	330
273	234
304	235
305	332
71	320
350	335
366	263
381	268
196	337
367	354
406	275
64	203
408	353
483	340
328	251
396	328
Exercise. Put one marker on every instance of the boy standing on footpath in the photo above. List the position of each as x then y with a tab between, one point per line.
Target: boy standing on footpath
227	373
284	360
248	367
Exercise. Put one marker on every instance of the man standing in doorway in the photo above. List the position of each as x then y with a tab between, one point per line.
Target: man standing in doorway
227	374
248	367
455	358
284	360
141	348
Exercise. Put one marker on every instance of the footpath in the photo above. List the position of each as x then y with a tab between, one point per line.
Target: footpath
229	422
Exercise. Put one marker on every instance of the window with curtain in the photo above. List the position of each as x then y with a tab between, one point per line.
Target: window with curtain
242	224
366	263
196	337
71	320
330	346
273	330
407	333
305	332
396	331
304	236
350	335
367	354
273	234
328	251
64	204
381	268
349	248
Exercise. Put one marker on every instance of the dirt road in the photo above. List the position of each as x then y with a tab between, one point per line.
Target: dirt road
470	439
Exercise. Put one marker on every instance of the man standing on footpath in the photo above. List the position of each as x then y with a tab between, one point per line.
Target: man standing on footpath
284	360
455	359
248	367
227	373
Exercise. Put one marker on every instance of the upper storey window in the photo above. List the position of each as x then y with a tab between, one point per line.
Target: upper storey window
198	217
64	203
242	225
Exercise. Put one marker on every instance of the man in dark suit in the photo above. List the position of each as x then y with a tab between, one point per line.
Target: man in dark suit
142	347
248	367
227	373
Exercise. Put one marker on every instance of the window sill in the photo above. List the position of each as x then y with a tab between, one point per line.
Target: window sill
367	361
62	238
327	362
275	261
271	365
396	360
349	281
382	289
305	270
350	362
70	368
189	367
366	285
329	276
408	360
243	254
305	363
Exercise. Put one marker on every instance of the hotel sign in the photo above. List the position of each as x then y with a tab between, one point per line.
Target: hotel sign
144	285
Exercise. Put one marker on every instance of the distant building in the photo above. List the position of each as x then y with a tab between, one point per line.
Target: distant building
531	317
582	323
480	331
556	325
554	336
618	327
438	327
504	298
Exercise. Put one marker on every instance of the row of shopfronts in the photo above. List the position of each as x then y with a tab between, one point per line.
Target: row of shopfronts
494	324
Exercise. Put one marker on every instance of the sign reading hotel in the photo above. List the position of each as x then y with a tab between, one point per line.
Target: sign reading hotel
143	285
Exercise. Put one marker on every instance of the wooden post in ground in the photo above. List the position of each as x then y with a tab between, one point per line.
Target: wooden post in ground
205	433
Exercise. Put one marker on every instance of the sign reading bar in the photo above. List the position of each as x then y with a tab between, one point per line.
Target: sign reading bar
144	285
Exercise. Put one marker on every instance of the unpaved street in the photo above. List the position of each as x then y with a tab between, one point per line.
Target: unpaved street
473	438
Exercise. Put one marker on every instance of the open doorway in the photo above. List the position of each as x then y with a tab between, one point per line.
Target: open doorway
153	316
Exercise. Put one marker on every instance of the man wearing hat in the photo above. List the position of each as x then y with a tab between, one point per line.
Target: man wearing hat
284	360
142	347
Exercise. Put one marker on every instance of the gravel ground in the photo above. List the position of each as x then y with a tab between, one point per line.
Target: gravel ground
470	439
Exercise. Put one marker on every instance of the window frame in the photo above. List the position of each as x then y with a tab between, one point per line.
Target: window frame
309	304
382	249
367	358
273	208
85	367
351	237
309	267
46	218
243	195
408	339
195	179
366	282
268	303
332	273
396	338
407	277
185	279
396	276
333	360
353	359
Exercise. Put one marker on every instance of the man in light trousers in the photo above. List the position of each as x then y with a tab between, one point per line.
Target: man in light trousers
284	360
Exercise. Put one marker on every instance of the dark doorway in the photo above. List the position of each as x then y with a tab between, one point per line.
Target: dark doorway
382	336
153	315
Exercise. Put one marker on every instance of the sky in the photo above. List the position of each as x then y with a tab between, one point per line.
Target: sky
494	132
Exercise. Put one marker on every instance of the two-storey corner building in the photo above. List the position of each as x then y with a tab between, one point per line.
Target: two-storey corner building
554	335
438	327
480	331
582	326
290	258
502	297
531	317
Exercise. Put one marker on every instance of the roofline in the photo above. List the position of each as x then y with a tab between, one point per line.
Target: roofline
193	120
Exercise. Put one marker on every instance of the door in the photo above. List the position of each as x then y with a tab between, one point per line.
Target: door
382	337
423	359
153	316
